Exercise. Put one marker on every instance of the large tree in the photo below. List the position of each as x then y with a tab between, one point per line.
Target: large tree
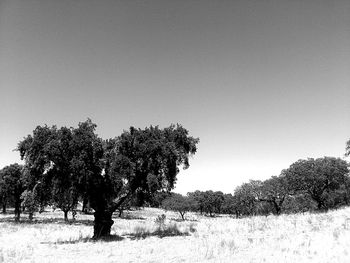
138	163
317	177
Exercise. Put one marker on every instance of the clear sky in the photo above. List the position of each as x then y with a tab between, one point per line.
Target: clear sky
262	83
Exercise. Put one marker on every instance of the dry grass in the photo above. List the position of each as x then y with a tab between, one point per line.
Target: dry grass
287	238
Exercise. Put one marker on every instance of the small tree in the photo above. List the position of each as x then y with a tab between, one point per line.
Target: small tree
12	186
179	203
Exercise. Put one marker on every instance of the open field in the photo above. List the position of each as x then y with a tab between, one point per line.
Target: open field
286	238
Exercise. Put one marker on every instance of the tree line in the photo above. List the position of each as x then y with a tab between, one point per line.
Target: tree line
63	166
307	185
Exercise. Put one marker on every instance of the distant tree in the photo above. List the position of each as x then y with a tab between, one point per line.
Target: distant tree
347	148
247	197
218	200
317	178
3	193
346	190
133	202
200	199
209	201
274	191
179	203
12	185
229	205
138	162
157	198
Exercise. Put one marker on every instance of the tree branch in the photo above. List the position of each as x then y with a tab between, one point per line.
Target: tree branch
117	203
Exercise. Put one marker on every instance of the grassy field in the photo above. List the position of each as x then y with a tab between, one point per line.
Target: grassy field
287	238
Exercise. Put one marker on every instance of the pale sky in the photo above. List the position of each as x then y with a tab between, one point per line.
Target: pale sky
262	83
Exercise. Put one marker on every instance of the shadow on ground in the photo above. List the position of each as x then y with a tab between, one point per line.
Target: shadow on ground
116	238
25	220
158	233
181	220
111	238
129	217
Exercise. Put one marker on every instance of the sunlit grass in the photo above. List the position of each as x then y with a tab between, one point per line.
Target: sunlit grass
323	237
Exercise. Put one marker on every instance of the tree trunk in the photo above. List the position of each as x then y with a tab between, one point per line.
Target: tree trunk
74	213
17	209
84	206
277	208
4	207
31	216
120	212
182	215
65	215
102	224
319	204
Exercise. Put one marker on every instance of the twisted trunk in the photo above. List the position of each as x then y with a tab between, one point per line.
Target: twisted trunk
102	224
103	216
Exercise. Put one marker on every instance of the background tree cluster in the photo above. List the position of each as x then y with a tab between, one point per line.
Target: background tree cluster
307	185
